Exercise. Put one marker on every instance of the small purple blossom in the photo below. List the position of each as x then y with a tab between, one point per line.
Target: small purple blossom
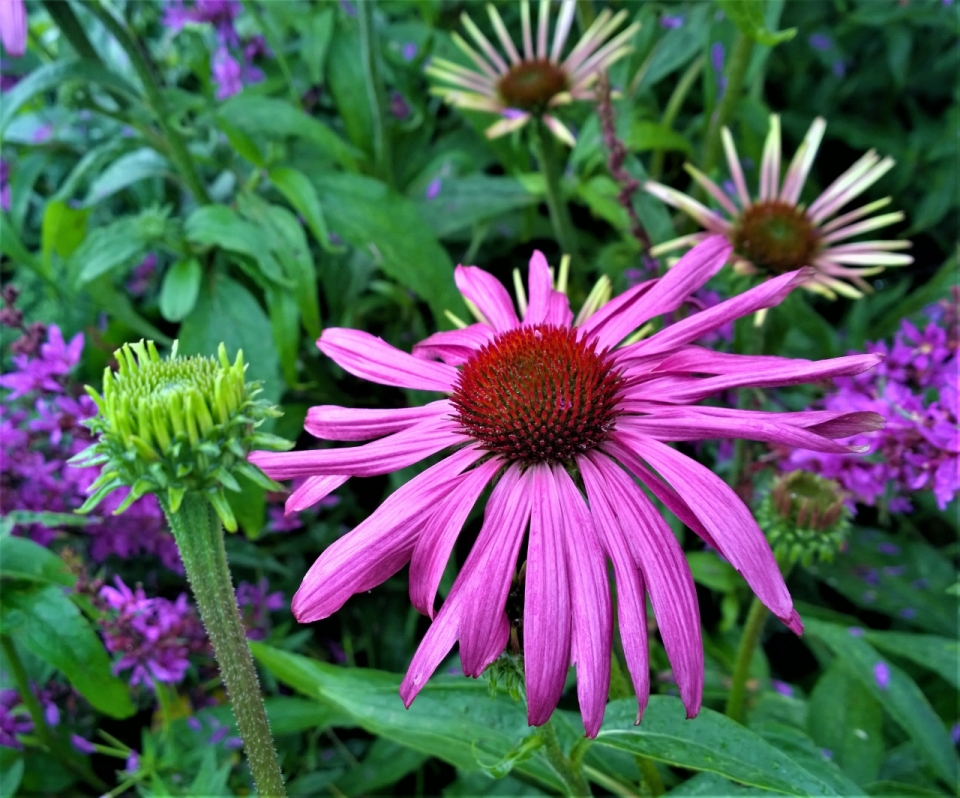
671	21
14	719
409	51
827	753
256	602
717	57
194	723
82	745
398	106
890	549
133	762
782	687
5	198
855	631
433	189
142	275
881	674
820	41
908	613
955	733
226	73
42	133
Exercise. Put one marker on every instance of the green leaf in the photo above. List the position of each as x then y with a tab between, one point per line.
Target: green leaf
747	15
710	785
266	116
890	574
453	718
845	718
317	39
242	143
62	230
347	84
227	312
180	288
13	248
119	308
646	134
385	763
287	715
106	249
710	742
11	766
124	172
937	287
938	654
373	217
52	76
465	201
220	226
249	506
300	193
22	559
901	699
285	321
49	625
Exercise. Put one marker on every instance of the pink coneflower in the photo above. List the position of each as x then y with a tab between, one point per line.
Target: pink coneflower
559	421
13	27
521	87
775	233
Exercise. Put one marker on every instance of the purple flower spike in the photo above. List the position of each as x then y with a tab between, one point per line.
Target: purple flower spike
82	745
881	673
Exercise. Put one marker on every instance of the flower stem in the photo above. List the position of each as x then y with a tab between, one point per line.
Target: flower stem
375	95
573	779
673	109
48	740
546	152
196	528
177	149
741	669
651	780
736	72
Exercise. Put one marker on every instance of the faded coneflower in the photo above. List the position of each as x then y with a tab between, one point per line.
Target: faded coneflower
775	233
521	87
558	421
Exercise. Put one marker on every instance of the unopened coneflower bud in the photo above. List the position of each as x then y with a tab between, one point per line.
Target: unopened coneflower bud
176	425
804	518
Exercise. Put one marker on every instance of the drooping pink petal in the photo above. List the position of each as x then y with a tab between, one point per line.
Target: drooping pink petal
665	571
13	27
489	569
721	511
454	347
631	599
311	491
373	359
546	603
766	295
440	533
381	545
333	423
382	456
434	647
489	295
592	633
670	291
686	391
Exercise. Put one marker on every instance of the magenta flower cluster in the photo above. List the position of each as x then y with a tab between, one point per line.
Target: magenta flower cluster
229	73
154	636
915	390
40	430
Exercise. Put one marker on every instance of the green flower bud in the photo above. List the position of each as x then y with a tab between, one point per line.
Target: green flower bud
170	426
804	518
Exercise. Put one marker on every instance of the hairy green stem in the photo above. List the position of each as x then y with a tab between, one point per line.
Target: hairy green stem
672	110
741	669
177	149
546	151
723	113
52	743
573	779
375	94
196	528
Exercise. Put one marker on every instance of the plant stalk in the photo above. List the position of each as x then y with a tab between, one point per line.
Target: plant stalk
196	528
375	95
741	669
736	72
177	149
574	781
51	742
672	110
546	151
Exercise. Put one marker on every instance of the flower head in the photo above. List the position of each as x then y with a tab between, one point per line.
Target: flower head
559	420
774	233
169	426
522	87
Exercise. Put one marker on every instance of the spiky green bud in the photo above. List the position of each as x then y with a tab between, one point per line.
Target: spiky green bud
177	425
804	518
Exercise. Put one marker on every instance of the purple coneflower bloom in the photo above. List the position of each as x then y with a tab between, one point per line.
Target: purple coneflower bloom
522	87
526	403
13	27
775	233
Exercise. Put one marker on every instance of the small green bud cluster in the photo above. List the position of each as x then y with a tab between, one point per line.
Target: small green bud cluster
169	426
804	518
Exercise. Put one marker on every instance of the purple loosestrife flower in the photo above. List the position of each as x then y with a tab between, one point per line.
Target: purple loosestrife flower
529	86
915	390
13	27
226	73
526	399
775	233
14	719
153	635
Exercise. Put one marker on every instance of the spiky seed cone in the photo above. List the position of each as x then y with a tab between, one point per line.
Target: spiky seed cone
176	425
804	518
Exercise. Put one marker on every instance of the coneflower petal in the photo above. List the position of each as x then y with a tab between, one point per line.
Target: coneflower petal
736	171
564	21
770	162
489	295
802	162
454	347
505	41
334	423
312	490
